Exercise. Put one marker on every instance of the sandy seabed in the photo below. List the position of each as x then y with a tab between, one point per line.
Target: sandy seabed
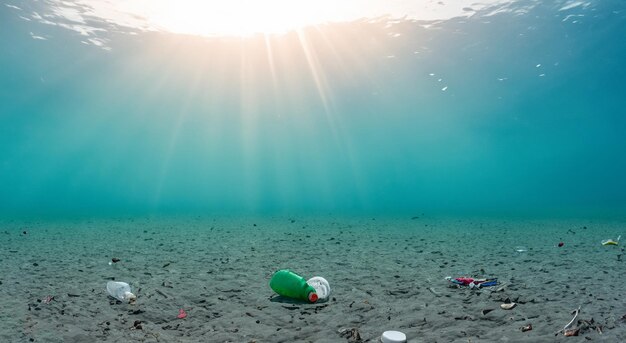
385	274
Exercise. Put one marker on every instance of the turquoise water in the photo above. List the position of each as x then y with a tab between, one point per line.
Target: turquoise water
511	112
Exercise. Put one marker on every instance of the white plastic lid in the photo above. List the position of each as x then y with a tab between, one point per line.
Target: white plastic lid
393	337
321	286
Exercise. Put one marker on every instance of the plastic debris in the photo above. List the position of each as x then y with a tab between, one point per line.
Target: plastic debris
292	285
393	337
472	282
611	242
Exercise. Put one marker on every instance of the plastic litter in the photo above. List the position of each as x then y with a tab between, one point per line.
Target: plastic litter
472	282
393	337
121	291
292	285
321	286
611	242
508	306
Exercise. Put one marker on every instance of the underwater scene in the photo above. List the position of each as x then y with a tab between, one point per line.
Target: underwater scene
312	171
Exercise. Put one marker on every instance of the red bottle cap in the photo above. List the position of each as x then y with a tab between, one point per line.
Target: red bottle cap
312	297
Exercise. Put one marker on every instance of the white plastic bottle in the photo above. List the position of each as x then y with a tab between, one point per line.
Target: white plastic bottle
321	286
121	291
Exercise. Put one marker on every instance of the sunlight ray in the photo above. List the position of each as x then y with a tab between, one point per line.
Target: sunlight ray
195	85
342	58
271	62
316	72
167	156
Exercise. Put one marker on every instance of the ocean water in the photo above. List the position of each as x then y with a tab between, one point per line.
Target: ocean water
514	110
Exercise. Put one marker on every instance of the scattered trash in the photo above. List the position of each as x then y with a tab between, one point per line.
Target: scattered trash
181	314
520	249
121	291
393	337
560	244
321	286
115	260
571	332
48	299
508	306
526	327
352	334
611	242
566	328
473	283
584	325
292	285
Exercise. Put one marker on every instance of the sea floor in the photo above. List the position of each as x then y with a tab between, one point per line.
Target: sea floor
385	274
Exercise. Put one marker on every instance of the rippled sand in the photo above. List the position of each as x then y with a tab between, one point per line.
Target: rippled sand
385	274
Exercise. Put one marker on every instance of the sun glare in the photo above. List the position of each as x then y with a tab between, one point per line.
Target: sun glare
249	17
233	18
242	17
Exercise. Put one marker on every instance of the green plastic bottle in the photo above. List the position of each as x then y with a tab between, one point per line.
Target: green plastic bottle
292	285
